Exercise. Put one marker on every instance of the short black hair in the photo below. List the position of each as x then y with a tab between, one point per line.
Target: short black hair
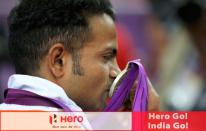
35	25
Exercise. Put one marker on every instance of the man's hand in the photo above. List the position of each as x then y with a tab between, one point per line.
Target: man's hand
153	102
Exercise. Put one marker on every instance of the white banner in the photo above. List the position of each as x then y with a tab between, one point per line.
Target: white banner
66	121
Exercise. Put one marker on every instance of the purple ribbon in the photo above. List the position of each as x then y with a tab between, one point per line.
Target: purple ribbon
140	102
22	97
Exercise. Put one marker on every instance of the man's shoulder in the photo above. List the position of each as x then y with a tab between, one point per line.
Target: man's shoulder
15	107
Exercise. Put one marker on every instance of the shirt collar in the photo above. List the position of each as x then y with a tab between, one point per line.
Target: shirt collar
41	87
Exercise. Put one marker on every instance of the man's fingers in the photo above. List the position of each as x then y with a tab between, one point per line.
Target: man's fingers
153	102
132	91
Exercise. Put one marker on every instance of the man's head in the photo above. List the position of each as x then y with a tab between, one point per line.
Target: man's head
69	42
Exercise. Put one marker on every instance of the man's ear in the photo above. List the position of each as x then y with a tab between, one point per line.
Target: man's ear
57	60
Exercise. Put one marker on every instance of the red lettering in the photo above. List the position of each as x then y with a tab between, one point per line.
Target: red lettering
71	119
63	118
80	119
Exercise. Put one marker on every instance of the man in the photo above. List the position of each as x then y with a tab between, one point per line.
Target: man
64	52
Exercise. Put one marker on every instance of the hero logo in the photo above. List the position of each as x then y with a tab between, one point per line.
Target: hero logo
64	119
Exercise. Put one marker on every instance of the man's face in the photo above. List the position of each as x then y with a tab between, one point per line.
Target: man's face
98	65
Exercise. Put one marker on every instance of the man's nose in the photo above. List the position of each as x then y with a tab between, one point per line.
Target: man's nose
115	71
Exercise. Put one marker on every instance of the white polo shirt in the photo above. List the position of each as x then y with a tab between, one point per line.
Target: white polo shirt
41	87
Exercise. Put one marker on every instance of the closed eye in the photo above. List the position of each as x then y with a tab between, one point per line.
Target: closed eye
110	54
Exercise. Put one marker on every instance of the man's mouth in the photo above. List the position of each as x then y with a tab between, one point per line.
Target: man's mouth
106	92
